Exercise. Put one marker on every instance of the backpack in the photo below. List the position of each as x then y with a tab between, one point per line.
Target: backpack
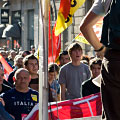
111	26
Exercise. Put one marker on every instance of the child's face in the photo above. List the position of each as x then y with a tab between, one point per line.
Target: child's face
52	76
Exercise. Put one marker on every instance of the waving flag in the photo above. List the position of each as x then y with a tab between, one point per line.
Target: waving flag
7	68
88	106
81	39
65	13
54	45
34	114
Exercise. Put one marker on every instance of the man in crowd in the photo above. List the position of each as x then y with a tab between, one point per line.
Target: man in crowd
88	87
20	100
73	74
18	63
64	58
11	57
3	87
30	62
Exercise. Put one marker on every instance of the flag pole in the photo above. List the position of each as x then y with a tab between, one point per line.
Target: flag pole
43	58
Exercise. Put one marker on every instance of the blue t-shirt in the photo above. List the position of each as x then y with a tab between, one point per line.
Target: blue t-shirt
55	86
19	104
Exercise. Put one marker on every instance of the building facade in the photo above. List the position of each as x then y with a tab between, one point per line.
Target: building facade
26	14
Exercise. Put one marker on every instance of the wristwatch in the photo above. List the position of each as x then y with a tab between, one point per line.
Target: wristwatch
100	49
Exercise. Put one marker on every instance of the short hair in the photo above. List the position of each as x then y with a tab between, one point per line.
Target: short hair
74	46
29	57
53	67
86	59
17	57
95	61
20	70
65	52
32	46
27	52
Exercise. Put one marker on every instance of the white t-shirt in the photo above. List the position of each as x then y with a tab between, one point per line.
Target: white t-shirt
100	7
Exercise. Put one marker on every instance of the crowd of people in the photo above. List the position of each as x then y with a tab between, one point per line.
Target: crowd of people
19	92
74	76
66	79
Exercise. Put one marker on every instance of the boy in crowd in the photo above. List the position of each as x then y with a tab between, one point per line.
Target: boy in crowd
73	74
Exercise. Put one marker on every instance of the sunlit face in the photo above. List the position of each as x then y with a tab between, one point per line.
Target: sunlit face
22	80
13	54
96	70
76	55
1	76
32	66
52	76
19	62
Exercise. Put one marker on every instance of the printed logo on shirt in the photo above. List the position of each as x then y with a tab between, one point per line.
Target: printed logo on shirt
34	97
23	103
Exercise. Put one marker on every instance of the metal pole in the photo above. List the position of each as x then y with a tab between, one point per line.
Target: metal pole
43	59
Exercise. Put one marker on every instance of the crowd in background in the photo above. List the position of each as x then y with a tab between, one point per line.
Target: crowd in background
72	77
19	90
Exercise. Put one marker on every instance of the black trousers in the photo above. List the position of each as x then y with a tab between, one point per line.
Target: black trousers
110	84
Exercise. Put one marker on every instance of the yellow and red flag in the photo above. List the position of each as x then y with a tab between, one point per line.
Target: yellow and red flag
65	13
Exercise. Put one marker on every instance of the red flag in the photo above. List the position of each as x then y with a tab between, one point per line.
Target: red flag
8	43
54	45
16	44
88	106
34	114
7	68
